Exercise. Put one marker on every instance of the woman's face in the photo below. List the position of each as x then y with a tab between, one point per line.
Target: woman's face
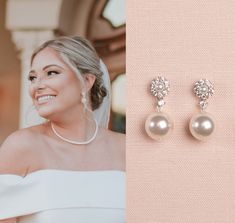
54	87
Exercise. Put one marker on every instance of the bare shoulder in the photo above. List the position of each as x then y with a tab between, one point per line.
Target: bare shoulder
16	152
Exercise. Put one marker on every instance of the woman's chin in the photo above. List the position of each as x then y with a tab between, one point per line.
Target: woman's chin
49	114
45	112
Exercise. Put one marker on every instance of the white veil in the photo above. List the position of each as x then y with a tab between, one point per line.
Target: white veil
102	114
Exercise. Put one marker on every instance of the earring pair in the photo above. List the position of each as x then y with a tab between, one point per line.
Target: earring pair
159	125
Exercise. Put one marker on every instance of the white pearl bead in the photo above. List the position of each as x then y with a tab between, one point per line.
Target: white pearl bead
202	126
158	125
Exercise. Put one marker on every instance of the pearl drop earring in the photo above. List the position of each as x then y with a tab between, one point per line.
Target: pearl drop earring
158	125
202	124
83	100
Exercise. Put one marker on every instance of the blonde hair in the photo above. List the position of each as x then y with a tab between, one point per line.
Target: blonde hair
82	57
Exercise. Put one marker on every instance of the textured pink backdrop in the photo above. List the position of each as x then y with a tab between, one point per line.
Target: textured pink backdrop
181	180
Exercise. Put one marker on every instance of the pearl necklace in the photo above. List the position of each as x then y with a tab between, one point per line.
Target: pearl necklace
76	142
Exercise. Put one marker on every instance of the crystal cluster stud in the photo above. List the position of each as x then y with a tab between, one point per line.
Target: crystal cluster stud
160	87
203	89
159	125
202	124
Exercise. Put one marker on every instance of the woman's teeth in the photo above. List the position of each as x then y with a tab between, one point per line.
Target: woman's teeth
46	98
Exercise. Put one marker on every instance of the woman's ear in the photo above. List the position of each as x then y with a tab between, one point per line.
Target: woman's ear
89	81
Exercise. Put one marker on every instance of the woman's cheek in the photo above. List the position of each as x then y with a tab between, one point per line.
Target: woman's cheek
31	92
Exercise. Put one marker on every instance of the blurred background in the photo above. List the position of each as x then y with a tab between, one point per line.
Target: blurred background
25	24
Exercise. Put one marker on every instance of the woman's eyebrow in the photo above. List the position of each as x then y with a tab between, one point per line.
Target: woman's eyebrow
47	66
54	65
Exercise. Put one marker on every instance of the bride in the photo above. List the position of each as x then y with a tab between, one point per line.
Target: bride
70	168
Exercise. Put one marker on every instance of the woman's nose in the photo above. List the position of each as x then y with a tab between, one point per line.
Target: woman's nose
40	84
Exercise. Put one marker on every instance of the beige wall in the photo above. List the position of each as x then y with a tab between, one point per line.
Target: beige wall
9	80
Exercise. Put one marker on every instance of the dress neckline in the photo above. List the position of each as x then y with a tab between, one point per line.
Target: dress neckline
36	172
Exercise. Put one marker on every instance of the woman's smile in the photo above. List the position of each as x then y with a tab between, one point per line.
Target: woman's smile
44	99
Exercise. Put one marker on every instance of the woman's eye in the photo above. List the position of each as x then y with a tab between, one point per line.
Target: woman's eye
52	72
31	78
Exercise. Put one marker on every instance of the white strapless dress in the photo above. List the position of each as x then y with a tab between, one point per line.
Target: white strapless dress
62	196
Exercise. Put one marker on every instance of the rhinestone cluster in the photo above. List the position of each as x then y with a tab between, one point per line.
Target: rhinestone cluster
203	89
160	87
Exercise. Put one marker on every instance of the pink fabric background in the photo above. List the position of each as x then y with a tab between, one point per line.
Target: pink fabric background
181	180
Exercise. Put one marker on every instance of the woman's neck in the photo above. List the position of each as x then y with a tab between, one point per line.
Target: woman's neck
75	125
